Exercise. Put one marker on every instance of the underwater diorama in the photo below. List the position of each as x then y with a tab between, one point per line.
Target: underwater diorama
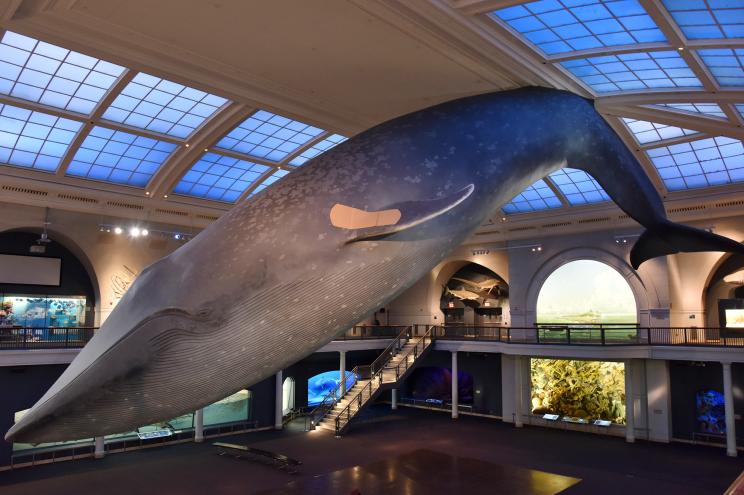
710	412
41	311
434	384
321	384
578	389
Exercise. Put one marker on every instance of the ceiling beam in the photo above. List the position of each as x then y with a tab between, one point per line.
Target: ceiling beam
473	7
557	191
97	113
181	160
685	120
609	50
667	96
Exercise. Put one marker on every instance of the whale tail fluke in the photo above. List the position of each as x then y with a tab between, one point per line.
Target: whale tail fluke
671	238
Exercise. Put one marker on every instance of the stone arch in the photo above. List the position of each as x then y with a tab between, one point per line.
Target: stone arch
645	297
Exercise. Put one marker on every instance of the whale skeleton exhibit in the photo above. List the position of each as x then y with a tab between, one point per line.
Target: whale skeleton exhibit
249	295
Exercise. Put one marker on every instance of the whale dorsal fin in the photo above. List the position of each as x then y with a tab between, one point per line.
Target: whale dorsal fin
396	217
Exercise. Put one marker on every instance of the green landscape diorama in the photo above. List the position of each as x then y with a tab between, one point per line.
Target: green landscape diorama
593	317
578	389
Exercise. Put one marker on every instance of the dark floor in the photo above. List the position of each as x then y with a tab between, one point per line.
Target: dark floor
470	455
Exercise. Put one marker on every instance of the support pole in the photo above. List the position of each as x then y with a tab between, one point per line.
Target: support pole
455	386
728	404
394	405
342	372
100	449
629	403
518	399
199	425
278	395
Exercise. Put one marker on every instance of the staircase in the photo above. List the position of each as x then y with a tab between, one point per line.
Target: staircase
335	412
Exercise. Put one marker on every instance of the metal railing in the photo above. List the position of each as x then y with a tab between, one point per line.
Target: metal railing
377	370
45	337
363	332
595	334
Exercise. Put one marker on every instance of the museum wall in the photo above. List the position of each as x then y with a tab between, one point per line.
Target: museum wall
111	261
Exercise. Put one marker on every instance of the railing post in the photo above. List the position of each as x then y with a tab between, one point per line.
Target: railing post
602	334
685	332
537	334
508	334
568	335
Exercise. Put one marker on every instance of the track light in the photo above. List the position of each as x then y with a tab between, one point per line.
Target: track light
118	230
134	231
145	232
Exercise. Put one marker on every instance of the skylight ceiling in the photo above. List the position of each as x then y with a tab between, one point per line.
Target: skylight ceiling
538	196
155	104
34	139
40	72
709	109
269	136
562	26
650	132
221	178
708	19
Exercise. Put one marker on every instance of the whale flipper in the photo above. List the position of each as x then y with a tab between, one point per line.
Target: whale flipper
672	238
412	213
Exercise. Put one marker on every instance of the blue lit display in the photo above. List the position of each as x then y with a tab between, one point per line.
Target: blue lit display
650	132
220	178
322	384
709	109
578	187
269	180
538	196
119	157
36	71
634	71
158	105
34	139
561	26
269	136
701	163
710	412
317	149
726	65
708	19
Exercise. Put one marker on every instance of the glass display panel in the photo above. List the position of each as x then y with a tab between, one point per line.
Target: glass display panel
710	412
231	409
42	311
735	318
322	384
581	391
20	447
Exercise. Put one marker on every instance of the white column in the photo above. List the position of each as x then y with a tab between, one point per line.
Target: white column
395	399
629	403
199	425
518	399
342	372
454	385
100	450
728	404
278	395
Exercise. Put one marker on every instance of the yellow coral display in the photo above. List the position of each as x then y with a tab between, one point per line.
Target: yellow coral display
582	389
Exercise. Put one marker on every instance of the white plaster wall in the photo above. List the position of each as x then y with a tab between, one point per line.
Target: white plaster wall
659	400
109	259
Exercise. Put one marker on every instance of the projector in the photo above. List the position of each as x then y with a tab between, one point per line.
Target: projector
37	249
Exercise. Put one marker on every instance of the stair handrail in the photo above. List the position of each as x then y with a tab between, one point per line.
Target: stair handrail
375	377
331	398
415	350
386	355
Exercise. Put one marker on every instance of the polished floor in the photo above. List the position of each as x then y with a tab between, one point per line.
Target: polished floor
470	455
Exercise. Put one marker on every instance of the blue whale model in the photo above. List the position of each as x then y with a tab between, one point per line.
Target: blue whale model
276	278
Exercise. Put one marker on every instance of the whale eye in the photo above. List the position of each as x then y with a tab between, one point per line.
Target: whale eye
347	217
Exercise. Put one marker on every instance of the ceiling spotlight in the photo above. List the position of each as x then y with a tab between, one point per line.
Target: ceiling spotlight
108	229
145	232
134	232
206	149
187	145
117	230
681	48
165	196
177	237
100	229
147	193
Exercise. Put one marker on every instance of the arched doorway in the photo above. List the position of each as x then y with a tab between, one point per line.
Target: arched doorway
724	296
474	295
585	291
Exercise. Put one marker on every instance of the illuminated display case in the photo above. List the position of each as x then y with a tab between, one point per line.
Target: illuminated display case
42	311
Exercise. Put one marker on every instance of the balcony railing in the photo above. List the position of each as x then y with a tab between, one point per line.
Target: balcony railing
45	337
547	334
596	334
